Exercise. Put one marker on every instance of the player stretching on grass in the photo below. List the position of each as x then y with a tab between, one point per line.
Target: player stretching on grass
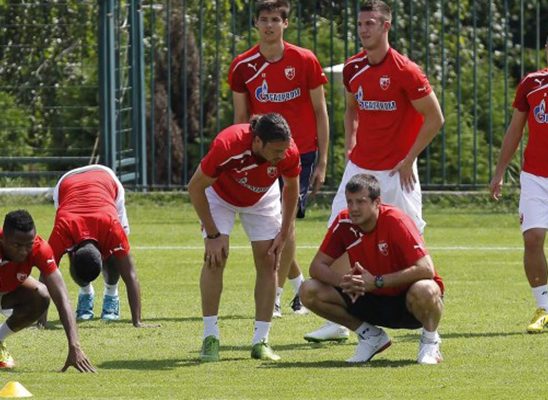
22	298
91	225
277	76
239	176
392	283
531	107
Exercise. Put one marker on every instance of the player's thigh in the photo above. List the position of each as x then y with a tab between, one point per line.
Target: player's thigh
314	290
28	292
223	214
533	202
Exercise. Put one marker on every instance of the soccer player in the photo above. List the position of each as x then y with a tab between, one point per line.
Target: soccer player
239	176
91	225
391	115
531	107
392	283
22	298
277	76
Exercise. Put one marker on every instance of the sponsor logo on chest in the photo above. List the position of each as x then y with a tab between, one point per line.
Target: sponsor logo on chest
263	94
374	105
539	112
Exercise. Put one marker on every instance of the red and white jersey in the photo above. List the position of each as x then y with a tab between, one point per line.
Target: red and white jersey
12	275
242	178
395	244
532	98
90	206
281	87
388	123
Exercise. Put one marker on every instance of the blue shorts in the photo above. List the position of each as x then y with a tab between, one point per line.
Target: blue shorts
308	162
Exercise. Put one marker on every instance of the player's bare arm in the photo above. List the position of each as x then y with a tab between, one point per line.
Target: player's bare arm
320	269
510	144
429	107
317	97
290	196
216	246
59	294
240	102
350	123
422	269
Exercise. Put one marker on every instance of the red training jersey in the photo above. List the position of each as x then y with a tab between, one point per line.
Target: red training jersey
388	124
242	178
395	244
281	87
12	274
532	98
88	209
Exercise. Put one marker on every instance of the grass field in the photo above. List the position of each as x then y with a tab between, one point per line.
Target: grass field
488	304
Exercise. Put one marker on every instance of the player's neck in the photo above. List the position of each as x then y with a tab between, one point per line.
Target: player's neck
377	55
272	52
369	225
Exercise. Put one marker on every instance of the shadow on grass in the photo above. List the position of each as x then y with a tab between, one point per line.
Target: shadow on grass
409	337
158	320
340	364
290	346
156	365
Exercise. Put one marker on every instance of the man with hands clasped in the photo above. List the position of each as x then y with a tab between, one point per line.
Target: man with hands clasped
392	283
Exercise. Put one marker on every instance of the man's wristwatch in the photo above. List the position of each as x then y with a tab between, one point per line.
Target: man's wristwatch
214	236
379	281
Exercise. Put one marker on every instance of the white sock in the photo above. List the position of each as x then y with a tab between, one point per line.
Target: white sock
430	337
111	290
5	331
366	329
296	283
211	326
541	296
86	289
279	291
261	332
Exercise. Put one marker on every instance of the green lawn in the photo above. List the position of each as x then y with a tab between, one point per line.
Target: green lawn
488	304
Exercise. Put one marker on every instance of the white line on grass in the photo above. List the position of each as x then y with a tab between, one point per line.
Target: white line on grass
306	246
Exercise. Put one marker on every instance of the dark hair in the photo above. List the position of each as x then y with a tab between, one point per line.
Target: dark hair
378	6
273	5
85	263
19	220
270	128
364	181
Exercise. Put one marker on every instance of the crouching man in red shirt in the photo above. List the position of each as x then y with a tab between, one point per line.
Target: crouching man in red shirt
22	297
392	283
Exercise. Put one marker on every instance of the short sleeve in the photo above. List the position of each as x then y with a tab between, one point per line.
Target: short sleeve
414	82
315	74
235	78
407	239
216	155
520	100
333	243
43	258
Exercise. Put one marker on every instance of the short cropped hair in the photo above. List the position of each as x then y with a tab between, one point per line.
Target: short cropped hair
18	220
378	6
270	127
273	5
364	181
85	263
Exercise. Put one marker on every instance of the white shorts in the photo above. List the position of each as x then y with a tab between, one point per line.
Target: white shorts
533	201
261	221
391	193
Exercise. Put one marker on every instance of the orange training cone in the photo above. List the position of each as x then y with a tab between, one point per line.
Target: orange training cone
14	389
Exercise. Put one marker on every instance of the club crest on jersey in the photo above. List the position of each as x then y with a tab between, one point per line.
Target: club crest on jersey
383	248
21	277
540	113
384	81
272	171
290	73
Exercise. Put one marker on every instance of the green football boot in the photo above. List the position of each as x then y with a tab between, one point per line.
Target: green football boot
210	349
263	351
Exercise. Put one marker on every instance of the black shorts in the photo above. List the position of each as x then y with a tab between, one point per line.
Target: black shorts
308	162
387	311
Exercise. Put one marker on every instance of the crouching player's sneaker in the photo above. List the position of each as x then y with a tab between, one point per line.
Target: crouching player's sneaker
298	307
330	331
210	349
84	309
6	360
369	346
539	321
111	308
263	351
429	352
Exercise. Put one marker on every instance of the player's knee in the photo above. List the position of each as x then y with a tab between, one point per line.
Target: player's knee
533	239
423	294
40	301
308	292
